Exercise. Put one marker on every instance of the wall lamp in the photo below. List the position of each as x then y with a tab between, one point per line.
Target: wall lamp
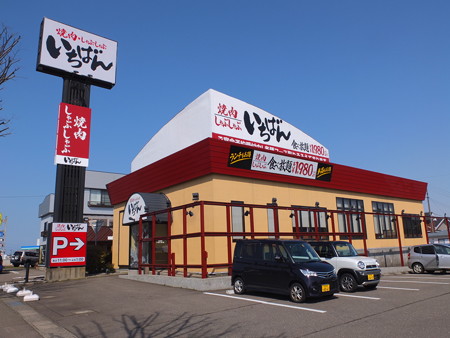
190	213
195	196
274	200
247	213
291	215
317	204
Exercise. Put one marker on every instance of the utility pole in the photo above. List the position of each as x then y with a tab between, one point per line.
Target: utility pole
430	214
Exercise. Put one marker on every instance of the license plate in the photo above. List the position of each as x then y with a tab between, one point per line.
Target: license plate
325	287
370	277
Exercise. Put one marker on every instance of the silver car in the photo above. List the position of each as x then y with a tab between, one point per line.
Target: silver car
429	258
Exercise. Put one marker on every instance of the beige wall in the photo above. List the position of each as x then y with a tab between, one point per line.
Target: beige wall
222	188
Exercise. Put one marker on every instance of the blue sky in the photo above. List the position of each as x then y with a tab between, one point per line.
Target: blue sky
370	80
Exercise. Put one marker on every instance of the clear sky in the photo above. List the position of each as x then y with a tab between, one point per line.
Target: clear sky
370	80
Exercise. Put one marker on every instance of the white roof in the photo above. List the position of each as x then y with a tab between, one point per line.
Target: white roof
216	115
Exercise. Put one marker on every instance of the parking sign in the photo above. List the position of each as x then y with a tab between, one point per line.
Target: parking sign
68	244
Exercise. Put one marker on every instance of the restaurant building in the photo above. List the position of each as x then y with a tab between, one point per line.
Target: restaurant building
222	169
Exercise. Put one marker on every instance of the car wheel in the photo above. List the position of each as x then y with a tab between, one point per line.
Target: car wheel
297	293
347	282
239	286
418	268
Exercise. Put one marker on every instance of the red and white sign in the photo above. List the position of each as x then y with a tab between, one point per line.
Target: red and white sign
64	49
73	134
68	244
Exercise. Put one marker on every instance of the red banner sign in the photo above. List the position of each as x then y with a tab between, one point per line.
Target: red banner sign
73	134
68	244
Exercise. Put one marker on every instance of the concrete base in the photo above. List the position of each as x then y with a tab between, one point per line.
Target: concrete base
66	273
199	284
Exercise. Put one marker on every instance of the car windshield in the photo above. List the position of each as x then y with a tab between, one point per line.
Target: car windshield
302	252
345	250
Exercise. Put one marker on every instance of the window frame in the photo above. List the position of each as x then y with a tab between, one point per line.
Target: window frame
352	210
412	223
104	202
383	220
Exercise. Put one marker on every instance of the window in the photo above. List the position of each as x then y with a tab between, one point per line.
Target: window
443	250
384	221
350	222
99	198
428	250
250	250
269	251
309	218
237	219
271	218
411	226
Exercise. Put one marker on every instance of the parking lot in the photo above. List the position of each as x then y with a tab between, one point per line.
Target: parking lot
110	306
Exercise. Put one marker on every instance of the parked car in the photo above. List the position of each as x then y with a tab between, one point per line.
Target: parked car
289	267
1	263
429	258
23	257
352	269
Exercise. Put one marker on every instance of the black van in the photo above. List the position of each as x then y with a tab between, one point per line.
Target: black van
289	267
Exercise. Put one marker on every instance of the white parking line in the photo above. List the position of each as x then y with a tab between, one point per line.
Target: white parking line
263	302
355	296
387	287
413	281
421	277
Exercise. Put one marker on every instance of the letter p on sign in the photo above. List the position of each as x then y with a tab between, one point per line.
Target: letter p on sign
59	243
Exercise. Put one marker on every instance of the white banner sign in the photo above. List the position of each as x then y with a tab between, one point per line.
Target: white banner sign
241	123
66	49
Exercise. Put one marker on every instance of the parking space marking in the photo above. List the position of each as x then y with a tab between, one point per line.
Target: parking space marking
421	277
413	281
264	302
392	288
355	296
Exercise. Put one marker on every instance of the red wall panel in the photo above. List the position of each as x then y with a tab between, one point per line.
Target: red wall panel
211	156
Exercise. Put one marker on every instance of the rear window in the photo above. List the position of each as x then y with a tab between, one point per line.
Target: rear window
417	249
17	253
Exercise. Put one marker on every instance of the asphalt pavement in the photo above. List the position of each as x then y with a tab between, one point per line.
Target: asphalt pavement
109	295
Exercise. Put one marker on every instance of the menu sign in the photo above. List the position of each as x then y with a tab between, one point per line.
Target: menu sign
257	160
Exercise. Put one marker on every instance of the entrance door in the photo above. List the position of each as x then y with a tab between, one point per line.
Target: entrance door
161	247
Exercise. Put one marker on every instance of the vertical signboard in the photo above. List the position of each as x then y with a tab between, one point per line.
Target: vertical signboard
73	135
68	244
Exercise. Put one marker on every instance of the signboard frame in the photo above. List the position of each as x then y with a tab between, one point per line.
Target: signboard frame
70	52
68	245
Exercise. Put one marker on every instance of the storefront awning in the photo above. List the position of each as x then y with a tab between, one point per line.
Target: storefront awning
142	203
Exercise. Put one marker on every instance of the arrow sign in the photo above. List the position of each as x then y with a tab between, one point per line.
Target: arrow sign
79	243
68	244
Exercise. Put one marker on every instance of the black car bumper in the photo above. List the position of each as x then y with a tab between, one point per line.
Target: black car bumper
370	277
